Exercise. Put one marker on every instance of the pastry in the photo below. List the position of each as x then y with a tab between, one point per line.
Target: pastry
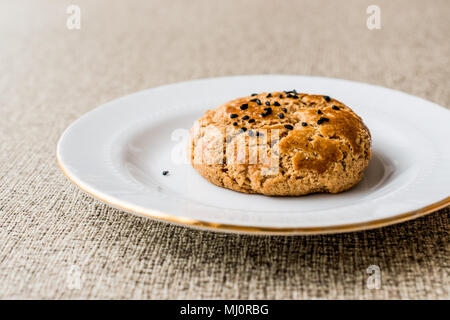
281	144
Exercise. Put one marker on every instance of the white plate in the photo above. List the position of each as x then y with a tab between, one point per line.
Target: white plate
118	151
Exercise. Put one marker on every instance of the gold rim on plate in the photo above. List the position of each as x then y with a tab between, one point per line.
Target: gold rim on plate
166	217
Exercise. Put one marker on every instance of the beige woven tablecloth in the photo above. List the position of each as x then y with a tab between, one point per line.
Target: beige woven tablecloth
56	242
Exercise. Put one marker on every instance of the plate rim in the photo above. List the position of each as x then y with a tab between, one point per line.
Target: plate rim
253	230
242	229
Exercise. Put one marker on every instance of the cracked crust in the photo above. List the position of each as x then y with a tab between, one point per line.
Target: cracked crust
321	156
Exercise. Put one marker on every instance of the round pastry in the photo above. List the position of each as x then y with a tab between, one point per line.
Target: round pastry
281	143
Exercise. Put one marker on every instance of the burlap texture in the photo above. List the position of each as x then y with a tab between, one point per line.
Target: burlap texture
56	242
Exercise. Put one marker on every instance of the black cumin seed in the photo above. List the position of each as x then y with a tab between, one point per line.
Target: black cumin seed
304	124
250	133
243	129
319	112
335	107
233	115
234	123
276	104
269	95
322	120
258	102
258	134
254	94
288	126
244	106
262	114
267	103
327	98
165	173
251	120
281	115
284	110
289	96
245	117
267	109
295	96
281	96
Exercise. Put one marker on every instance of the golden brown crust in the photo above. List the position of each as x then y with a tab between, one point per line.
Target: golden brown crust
320	145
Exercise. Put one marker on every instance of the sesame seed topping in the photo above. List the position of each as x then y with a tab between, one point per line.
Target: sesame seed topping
288	126
235	123
327	98
233	115
280	96
335	107
276	104
257	101
245	117
263	114
243	129
284	110
304	124
269	95
319	112
165	173
258	134
322	120
268	111
267	103
251	120
254	94
244	106
281	115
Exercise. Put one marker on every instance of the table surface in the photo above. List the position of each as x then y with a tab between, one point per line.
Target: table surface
56	242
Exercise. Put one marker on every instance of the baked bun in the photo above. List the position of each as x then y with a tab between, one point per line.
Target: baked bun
281	144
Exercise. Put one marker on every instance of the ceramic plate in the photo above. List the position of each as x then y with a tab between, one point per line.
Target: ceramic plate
118	151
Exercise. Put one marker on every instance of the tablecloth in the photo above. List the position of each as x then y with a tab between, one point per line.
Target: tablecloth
58	243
